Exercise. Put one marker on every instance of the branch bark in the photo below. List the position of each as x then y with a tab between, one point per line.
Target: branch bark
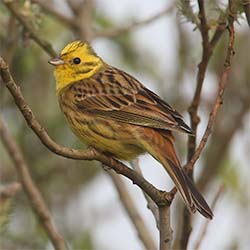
193	153
165	228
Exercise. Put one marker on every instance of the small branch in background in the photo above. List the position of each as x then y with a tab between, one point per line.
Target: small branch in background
205	227
129	206
193	154
83	19
37	203
150	203
212	164
193	112
206	53
221	89
165	228
48	7
118	31
13	8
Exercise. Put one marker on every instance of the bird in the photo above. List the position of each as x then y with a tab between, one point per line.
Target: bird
111	111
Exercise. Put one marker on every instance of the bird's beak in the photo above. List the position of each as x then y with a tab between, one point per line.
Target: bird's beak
56	61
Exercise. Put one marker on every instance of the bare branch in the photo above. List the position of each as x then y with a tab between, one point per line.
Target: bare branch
165	228
118	31
221	89
83	19
206	54
132	211
193	153
158	196
37	203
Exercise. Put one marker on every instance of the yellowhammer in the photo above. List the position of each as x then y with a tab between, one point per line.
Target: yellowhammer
113	112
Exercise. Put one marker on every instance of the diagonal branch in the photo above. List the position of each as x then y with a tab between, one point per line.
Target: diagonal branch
221	88
37	203
193	153
206	54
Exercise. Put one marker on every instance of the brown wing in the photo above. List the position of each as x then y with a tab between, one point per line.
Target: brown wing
114	94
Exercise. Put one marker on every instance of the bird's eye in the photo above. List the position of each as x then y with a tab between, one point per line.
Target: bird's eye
76	60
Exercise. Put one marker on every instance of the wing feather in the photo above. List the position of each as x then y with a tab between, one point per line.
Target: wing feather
116	95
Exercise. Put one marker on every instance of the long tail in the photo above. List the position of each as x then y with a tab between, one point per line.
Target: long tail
161	147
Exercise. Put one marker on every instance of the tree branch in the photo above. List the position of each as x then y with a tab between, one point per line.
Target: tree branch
206	53
165	228
70	22
221	89
37	203
193	154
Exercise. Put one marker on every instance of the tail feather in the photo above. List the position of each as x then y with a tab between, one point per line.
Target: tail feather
161	147
199	201
179	179
191	196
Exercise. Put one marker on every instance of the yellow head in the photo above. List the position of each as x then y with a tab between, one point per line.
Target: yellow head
77	61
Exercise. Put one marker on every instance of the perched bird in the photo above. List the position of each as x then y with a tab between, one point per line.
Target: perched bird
113	112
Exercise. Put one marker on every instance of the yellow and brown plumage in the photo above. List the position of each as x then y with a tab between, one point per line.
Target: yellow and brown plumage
113	112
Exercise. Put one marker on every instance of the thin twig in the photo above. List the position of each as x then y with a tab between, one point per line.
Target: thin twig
221	89
193	111
150	203
215	156
193	154
129	206
137	24
158	196
11	5
205	227
206	53
37	203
